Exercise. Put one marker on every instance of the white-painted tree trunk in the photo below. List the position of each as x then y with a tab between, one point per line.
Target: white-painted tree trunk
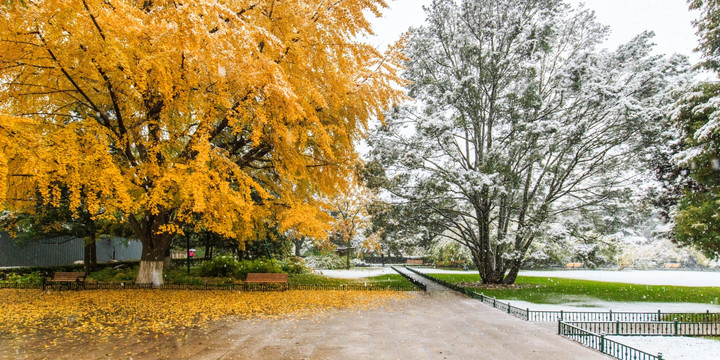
150	273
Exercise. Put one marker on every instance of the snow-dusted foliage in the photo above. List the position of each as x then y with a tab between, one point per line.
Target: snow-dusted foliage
517	119
697	119
446	250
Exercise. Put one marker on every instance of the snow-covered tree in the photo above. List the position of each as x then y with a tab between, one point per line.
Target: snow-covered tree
517	118
697	116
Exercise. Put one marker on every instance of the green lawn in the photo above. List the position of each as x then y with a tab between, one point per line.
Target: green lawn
546	290
310	279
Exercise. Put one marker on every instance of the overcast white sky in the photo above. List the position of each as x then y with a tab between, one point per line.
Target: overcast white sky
669	19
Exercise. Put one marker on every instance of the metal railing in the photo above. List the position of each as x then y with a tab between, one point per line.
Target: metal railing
505	307
420	285
555	315
605	346
589	327
545	315
649	328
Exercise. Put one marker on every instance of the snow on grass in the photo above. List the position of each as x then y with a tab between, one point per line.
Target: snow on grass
674	348
357	273
598	305
443	271
643	277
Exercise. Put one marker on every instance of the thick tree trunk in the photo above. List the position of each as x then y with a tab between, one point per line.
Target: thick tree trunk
152	260
493	277
298	246
156	245
90	254
151	272
167	259
513	273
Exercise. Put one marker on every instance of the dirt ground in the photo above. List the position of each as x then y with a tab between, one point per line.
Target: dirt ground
436	325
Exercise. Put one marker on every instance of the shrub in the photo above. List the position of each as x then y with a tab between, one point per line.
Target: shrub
33	278
221	266
182	278
227	266
260	266
114	275
294	265
326	261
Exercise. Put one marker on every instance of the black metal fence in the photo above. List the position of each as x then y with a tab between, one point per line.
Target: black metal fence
574	316
420	285
589	327
605	346
545	315
505	307
649	328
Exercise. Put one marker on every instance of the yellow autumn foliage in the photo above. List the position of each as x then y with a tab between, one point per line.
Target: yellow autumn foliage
226	115
109	313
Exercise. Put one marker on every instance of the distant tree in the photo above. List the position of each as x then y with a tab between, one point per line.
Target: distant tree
697	116
697	219
517	119
708	31
349	211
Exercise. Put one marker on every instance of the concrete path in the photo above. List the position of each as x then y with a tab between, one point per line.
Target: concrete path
438	325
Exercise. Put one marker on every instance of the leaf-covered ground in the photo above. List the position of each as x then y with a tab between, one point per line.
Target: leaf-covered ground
106	314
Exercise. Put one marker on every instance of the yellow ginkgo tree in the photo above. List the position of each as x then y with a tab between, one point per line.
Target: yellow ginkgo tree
219	114
351	220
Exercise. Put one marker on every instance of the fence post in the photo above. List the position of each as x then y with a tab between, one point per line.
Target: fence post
602	343
509	308
659	316
561	315
617	327
494	302
527	314
559	322
611	315
676	326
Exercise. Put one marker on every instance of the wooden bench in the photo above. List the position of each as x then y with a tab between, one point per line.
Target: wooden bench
672	265
414	262
268	278
573	265
66	279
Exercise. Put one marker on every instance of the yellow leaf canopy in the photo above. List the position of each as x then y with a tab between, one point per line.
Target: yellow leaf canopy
225	114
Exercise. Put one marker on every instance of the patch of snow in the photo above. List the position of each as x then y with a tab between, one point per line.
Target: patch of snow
675	348
442	271
357	273
592	305
644	277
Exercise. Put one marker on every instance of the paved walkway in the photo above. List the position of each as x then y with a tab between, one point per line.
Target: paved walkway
438	325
